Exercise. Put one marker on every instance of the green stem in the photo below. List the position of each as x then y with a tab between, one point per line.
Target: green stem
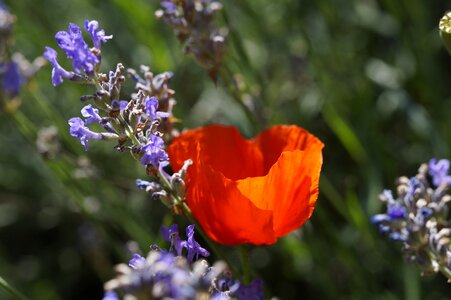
12	291
447	272
245	265
129	130
444	270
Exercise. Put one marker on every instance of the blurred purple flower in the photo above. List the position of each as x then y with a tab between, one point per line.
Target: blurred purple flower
110	295
12	79
142	184
137	262
396	212
169	6
253	291
439	171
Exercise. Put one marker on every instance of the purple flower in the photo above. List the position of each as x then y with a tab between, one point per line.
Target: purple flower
439	171
58	72
253	291
137	261
91	114
2	6
193	247
110	295
220	296
380	218
151	106
79	130
12	79
119	105
166	232
142	184
169	6
396	212
72	42
423	215
153	151
97	36
412	186
171	234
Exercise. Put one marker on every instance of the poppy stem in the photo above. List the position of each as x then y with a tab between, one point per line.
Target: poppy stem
212	245
246	269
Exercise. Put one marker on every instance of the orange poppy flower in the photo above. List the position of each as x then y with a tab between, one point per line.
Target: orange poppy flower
249	191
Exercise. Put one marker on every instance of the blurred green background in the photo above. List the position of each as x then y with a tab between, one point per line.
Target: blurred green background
370	78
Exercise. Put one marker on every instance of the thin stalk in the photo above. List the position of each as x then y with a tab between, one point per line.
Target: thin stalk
246	266
243	56
10	290
129	131
445	271
231	86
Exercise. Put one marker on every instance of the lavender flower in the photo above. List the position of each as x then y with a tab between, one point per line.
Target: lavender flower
119	105
110	295
193	247
194	27
79	130
137	261
143	184
84	59
15	69
439	171
97	36
76	49
58	72
151	107
418	217
91	114
6	24
12	78
162	275
171	234
153	151
253	291
169	6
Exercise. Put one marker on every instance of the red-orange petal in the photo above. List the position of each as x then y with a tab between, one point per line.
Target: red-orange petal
224	213
249	191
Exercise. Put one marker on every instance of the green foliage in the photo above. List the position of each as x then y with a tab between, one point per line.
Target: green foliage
369	78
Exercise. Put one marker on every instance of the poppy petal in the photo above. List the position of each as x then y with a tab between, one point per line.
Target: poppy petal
224	213
290	189
273	141
249	191
220	156
221	147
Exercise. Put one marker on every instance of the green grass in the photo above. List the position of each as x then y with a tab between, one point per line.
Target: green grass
369	78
